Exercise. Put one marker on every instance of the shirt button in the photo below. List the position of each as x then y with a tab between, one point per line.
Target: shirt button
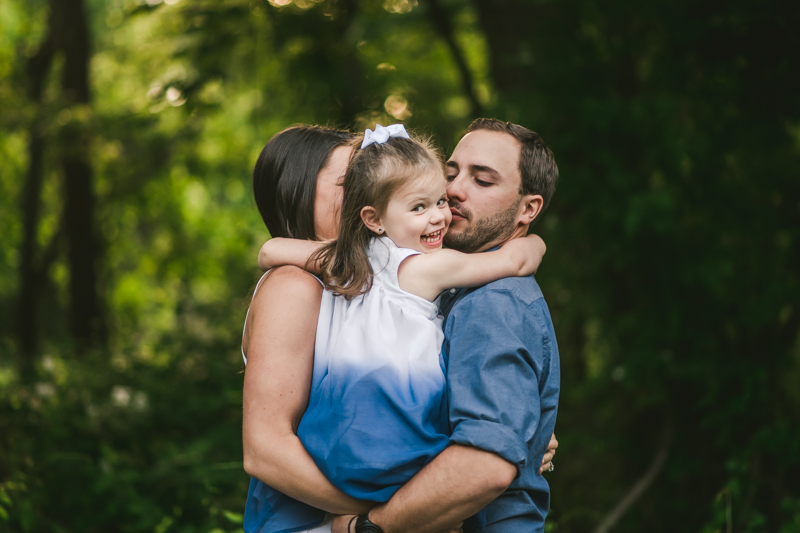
452	291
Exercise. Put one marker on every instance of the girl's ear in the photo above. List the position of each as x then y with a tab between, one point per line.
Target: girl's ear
369	215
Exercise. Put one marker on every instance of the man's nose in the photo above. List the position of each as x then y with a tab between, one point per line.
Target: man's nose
455	190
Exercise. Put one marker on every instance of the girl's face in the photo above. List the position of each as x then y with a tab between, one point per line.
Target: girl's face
418	215
328	200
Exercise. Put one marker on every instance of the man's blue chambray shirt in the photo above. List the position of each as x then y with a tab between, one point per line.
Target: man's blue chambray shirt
502	387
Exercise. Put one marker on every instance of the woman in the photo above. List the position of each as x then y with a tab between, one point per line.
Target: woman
296	186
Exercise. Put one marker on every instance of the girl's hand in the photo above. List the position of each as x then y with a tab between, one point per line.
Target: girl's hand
547	460
528	253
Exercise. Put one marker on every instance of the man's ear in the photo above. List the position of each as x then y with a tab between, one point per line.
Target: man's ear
369	215
530	207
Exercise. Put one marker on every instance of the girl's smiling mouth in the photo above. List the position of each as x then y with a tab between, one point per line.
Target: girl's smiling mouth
433	238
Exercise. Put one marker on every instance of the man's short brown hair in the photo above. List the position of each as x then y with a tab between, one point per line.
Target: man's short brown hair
537	166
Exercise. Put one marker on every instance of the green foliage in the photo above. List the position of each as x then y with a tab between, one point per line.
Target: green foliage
672	272
674	279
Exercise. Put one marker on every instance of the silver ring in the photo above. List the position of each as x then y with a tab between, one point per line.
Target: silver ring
552	466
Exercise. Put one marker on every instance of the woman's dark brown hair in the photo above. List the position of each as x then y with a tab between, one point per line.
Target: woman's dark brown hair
373	175
285	178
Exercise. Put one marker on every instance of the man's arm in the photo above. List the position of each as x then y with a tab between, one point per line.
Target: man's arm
458	483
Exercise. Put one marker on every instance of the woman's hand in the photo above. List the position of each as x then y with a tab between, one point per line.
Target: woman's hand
547	460
341	523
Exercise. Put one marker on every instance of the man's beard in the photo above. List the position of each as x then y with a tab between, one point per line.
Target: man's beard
495	228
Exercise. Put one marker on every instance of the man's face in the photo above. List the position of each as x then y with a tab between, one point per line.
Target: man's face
484	191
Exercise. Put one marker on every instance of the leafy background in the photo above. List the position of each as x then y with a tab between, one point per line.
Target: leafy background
128	133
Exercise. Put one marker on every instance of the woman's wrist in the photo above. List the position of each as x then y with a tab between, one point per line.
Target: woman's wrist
365	525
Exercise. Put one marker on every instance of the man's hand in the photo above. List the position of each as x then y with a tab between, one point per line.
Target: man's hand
547	460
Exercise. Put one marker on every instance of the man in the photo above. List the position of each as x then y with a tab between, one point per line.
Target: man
500	350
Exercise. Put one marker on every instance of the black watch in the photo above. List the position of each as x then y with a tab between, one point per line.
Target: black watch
363	525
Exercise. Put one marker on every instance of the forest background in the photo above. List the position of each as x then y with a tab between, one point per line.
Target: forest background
128	131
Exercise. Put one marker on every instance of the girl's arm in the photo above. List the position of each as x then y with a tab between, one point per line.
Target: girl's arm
429	274
280	251
279	343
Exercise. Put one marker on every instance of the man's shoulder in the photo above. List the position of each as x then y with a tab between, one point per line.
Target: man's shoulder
522	289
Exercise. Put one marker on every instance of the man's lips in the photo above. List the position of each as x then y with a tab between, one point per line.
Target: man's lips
456	213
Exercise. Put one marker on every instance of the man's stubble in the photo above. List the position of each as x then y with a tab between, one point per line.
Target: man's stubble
495	228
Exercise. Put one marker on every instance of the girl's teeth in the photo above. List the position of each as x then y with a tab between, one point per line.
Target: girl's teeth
432	237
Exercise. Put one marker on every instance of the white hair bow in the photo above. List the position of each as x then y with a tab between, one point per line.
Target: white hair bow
381	134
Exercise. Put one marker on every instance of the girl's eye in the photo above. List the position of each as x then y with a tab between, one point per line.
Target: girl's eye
441	202
417	208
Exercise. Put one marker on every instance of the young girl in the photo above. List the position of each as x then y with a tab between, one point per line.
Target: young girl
377	412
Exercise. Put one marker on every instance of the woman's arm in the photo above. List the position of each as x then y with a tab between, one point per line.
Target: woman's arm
279	343
429	274
280	251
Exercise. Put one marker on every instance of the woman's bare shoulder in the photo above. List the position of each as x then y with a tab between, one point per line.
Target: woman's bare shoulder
289	280
288	296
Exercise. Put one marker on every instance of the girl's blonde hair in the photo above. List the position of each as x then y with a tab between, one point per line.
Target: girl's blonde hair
373	175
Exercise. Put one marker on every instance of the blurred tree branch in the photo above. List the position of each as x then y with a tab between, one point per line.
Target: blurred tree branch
441	22
638	488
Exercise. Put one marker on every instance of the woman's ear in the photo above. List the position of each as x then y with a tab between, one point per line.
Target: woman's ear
531	207
369	215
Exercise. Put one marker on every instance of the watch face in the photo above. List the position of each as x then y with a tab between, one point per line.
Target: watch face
363	525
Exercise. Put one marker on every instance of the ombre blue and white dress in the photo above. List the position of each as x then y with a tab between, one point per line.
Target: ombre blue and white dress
377	412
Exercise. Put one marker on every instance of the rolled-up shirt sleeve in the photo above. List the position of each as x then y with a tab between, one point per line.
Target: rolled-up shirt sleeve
496	350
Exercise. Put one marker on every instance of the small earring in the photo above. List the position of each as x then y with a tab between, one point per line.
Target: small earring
380	230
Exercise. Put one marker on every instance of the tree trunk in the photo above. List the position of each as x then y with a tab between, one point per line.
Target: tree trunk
31	269
86	323
519	35
508	25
